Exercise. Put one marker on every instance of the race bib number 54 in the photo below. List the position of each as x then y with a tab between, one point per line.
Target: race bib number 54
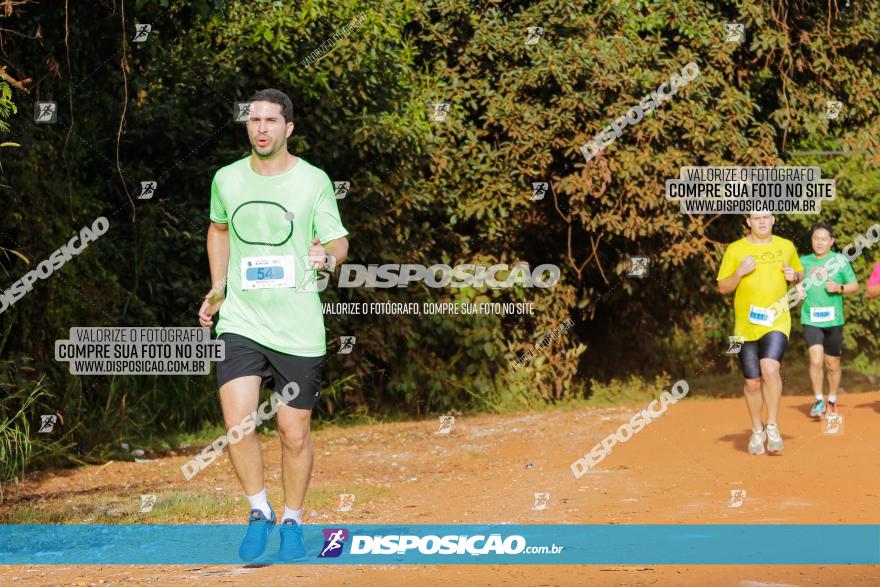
267	272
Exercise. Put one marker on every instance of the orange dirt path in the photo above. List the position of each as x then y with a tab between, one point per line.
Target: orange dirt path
679	469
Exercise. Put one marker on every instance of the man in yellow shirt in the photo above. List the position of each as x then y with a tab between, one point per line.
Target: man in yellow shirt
758	268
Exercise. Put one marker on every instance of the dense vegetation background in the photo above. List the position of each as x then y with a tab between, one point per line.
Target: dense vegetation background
456	191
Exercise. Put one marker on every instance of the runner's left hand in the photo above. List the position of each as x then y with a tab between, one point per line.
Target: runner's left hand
833	287
790	274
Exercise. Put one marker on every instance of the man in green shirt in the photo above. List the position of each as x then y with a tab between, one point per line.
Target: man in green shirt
274	220
829	277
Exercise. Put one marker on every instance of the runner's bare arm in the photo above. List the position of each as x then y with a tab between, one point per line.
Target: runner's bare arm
730	283
849	288
873	291
337	248
218	258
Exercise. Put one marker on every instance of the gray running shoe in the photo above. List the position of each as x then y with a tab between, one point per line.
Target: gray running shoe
774	439
756	442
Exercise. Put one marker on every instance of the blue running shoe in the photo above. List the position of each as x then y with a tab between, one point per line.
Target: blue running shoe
293	547
832	410
818	408
254	544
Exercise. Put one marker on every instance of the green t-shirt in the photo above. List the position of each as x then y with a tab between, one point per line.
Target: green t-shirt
822	309
272	220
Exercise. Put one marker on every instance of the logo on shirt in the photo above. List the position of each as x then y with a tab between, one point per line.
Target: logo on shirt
260	222
768	257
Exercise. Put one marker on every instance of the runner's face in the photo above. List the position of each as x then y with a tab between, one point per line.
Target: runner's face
267	130
761	224
822	241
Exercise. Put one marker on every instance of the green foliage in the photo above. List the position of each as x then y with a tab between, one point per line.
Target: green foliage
631	389
7	106
16	444
426	192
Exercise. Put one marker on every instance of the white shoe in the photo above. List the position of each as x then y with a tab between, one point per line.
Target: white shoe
774	439
756	442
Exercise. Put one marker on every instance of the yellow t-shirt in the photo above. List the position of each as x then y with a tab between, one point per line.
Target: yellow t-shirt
755	305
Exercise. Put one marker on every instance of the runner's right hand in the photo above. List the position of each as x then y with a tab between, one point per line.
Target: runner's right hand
208	309
746	266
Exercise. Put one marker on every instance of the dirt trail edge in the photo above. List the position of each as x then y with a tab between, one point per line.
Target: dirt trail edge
680	469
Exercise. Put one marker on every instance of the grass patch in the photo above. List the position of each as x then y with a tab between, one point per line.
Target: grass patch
192	442
172	507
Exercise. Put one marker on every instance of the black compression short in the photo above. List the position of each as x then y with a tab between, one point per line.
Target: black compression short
830	338
246	357
770	346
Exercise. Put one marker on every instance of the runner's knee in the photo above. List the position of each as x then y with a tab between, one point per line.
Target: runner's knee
769	369
753	386
294	438
233	419
832	363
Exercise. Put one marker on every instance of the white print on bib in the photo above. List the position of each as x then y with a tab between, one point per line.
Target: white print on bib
265	272
822	314
762	316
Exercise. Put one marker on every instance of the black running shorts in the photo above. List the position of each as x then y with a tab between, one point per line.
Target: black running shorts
246	357
830	338
770	346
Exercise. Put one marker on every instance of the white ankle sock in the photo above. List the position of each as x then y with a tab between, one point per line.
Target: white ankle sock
832	399
296	515
819	396
260	502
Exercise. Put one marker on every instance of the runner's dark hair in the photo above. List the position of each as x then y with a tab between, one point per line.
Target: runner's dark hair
276	97
821	225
